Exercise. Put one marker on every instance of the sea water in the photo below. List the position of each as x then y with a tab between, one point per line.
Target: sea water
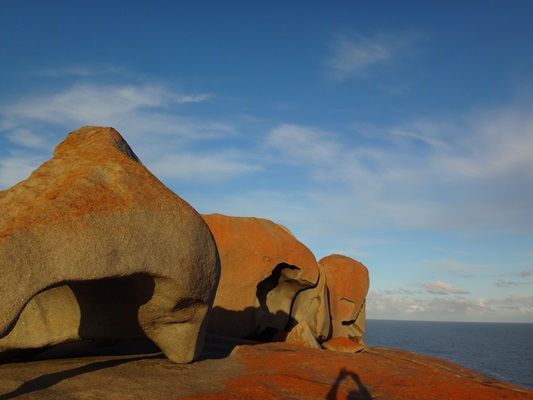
501	350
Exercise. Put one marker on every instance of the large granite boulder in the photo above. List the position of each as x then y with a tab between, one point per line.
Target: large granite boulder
93	246
347	282
263	267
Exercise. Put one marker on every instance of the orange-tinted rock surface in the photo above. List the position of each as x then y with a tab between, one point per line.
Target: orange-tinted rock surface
301	335
267	371
92	245
347	282
343	344
290	372
263	267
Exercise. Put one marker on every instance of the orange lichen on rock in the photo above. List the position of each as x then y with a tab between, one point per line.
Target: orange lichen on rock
266	371
92	245
281	371
76	182
263	267
343	345
347	281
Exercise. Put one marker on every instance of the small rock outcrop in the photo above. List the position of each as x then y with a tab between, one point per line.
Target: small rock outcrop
343	345
347	282
93	246
263	267
302	335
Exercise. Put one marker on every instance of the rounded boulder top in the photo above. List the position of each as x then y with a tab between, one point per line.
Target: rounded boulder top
95	212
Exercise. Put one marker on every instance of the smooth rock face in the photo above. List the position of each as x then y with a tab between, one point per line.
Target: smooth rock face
263	267
311	306
301	335
347	282
92	245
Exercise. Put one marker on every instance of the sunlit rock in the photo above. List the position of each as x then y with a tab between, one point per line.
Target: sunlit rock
93	246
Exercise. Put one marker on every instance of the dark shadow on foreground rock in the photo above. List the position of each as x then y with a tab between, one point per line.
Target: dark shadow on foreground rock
361	393
218	346
251	317
221	342
48	380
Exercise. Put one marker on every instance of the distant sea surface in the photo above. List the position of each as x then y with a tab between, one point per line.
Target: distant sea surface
501	350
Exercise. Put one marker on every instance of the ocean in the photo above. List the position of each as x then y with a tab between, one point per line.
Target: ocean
501	350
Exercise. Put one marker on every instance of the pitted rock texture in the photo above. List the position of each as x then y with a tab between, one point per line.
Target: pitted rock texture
263	267
92	245
347	282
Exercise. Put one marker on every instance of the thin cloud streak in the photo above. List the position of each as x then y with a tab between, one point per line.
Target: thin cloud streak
201	167
93	104
26	138
80	71
442	288
502	283
383	305
355	55
302	145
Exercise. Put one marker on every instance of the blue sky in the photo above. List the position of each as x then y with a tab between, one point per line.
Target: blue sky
398	133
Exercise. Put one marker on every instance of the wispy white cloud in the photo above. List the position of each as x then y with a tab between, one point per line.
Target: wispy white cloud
475	175
515	279
355	55
202	167
150	115
384	305
17	167
26	138
93	103
303	145
442	288
81	70
491	145
381	304
520	304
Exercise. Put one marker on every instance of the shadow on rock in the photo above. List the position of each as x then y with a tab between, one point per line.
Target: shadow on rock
48	380
221	342
361	393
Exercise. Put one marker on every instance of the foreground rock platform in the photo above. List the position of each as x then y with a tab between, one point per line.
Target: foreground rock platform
252	371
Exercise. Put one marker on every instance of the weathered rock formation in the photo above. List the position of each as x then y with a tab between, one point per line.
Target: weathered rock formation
311	306
92	245
263	267
347	282
335	307
271	287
